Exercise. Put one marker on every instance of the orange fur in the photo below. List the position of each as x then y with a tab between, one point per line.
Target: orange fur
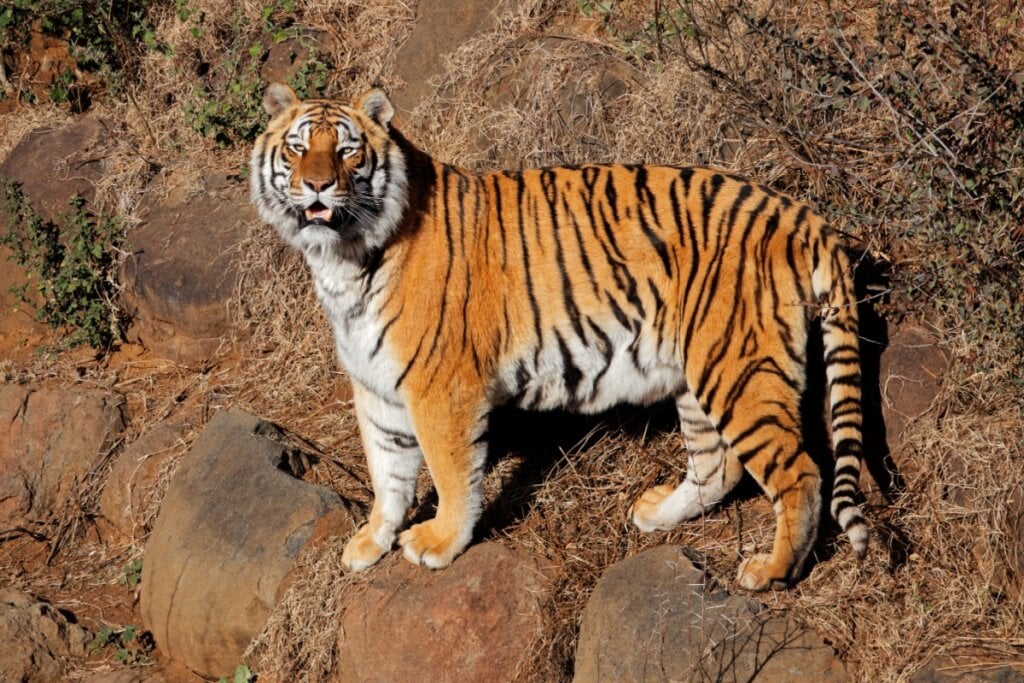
576	287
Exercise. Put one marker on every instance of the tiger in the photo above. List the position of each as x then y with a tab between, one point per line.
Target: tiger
451	292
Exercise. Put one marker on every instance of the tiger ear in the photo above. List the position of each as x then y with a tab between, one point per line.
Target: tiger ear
375	104
279	97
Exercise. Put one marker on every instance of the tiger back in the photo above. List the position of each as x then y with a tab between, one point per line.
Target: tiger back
451	292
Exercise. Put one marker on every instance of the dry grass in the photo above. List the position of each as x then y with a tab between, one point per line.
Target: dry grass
502	101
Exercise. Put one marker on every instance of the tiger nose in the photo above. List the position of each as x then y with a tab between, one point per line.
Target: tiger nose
318	184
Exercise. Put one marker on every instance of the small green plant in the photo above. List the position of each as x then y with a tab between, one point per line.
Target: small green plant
242	675
73	264
132	646
311	77
131	574
225	102
590	7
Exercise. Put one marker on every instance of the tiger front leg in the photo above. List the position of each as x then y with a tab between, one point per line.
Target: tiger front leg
394	459
455	450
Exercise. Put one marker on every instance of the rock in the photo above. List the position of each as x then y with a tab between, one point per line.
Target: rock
159	674
182	272
441	26
910	377
54	164
286	58
473	621
944	670
37	639
50	439
230	529
130	484
20	333
656	617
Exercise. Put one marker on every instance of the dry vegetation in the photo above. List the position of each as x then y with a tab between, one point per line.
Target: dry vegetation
904	121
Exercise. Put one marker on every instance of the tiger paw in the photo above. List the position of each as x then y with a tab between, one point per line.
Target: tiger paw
648	512
430	544
756	573
362	550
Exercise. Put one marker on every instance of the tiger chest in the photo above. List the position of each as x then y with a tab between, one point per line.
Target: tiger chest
358	335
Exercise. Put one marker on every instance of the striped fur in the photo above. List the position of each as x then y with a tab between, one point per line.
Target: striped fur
451	292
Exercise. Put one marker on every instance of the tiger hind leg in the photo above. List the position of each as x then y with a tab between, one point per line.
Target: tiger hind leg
767	438
713	470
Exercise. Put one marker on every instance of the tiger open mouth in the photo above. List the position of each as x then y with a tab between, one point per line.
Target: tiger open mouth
318	214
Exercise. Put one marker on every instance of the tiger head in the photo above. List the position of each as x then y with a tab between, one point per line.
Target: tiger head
328	175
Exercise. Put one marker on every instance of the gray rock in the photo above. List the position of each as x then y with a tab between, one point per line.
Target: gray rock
656	617
230	529
54	164
182	272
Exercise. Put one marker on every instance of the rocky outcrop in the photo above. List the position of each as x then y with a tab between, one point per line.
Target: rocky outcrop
182	271
54	164
231	527
50	439
473	621
37	640
657	617
131	482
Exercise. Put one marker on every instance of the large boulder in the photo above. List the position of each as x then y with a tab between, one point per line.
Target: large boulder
473	621
657	617
50	440
54	164
38	640
231	527
182	272
130	486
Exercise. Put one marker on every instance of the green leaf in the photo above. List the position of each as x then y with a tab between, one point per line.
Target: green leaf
242	674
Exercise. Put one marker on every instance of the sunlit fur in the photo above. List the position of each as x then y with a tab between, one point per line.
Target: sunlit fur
451	292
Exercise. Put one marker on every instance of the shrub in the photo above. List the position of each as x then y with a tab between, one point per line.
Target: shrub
74	265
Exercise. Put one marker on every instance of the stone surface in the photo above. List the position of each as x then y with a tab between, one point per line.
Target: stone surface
37	640
231	527
441	27
945	670
20	334
654	617
50	439
54	164
910	378
182	271
130	483
473	621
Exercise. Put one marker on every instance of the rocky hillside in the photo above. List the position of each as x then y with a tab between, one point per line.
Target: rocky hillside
179	462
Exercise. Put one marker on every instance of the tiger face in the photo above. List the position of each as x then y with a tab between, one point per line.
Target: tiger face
327	175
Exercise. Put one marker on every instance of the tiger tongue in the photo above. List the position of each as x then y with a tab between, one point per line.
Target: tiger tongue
322	214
